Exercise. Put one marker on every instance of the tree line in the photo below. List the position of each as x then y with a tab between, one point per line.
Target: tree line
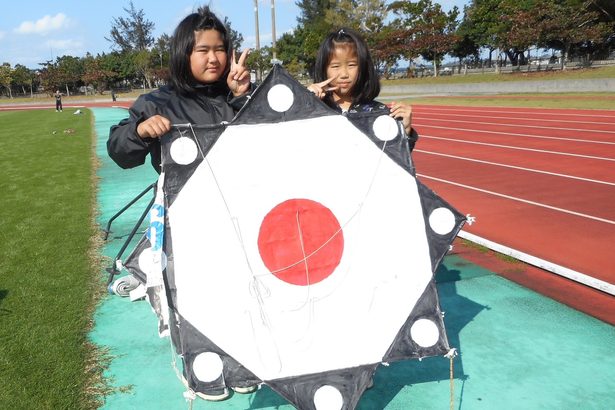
396	31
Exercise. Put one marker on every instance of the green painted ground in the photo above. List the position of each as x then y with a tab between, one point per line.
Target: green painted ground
518	350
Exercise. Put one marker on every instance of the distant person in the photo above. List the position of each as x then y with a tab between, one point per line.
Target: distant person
58	97
207	86
347	81
113	95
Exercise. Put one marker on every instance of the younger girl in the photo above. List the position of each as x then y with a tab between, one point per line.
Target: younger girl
206	86
346	79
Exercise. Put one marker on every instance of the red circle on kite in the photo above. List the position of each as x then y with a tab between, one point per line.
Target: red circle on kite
301	241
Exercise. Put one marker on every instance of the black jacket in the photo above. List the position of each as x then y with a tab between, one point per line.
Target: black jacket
211	105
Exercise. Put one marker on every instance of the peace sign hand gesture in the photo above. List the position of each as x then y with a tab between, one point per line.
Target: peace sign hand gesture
238	79
321	89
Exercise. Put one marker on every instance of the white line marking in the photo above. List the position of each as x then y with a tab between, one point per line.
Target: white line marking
519	148
525	201
515	118
420	107
531	126
541	263
516	134
516	167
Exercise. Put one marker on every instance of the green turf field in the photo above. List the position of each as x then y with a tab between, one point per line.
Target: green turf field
48	269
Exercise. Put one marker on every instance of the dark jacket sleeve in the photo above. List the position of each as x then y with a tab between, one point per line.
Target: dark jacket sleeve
238	102
412	139
124	145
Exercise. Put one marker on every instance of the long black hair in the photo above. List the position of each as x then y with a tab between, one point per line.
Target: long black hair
367	86
182	44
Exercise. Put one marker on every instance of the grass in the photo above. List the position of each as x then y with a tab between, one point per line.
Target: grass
575	74
48	271
483	249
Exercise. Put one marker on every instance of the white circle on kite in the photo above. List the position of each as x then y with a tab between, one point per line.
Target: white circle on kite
424	332
328	398
183	151
280	98
146	261
207	366
385	128
442	220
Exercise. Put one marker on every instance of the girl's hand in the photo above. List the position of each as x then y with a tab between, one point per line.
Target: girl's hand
239	77
402	111
154	127
321	89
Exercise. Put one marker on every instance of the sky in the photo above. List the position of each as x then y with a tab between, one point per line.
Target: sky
35	31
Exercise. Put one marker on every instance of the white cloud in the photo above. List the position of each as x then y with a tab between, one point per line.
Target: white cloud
2	34
44	25
65	47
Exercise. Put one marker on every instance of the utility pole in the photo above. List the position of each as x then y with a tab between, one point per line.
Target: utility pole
258	44
273	30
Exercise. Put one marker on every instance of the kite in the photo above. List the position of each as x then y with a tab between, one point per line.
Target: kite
294	247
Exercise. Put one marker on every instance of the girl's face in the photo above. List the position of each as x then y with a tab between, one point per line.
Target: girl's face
208	58
344	67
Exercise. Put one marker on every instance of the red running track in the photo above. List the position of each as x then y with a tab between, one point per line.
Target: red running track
539	181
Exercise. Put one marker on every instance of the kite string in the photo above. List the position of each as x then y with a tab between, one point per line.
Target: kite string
452	382
308	301
451	356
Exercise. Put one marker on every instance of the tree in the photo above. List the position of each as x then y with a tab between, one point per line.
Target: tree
50	77
312	10
6	77
70	71
96	74
464	48
142	61
132	33
367	16
290	49
426	28
235	36
606	12
162	49
22	77
260	60
570	23
304	41
388	46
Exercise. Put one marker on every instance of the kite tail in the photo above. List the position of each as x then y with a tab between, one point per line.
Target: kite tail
156	292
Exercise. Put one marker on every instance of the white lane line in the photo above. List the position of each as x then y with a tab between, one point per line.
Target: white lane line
531	126
519	148
541	263
419	108
559	120
516	167
525	201
516	134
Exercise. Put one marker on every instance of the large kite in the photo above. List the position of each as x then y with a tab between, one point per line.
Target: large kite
294	247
